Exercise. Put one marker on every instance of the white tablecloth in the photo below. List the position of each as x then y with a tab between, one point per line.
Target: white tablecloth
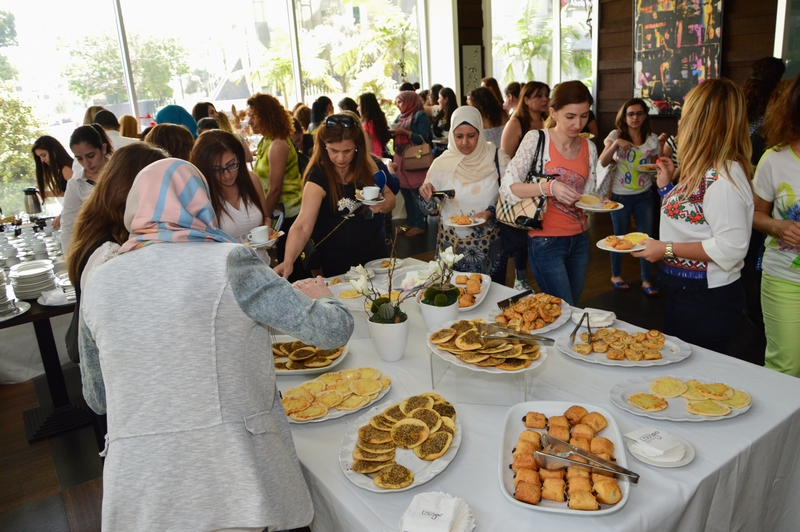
746	475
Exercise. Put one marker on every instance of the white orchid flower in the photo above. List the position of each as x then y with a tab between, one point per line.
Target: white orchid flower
412	280
361	270
449	258
361	284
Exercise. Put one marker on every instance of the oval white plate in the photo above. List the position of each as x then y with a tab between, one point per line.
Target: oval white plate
452	359
566	312
372	202
23	307
475	222
674	351
598	207
602	245
376	265
356	303
687	457
41	302
676	411
423	470
479	297
335	413
309	371
514	426
594	317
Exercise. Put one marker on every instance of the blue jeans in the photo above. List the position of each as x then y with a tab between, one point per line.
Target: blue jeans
414	216
559	264
641	207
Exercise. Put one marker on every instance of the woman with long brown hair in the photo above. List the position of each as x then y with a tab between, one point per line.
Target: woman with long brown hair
174	139
53	167
534	99
344	232
494	117
706	218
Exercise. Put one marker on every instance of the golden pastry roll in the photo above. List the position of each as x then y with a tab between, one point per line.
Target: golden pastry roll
559	420
523	461
597	477
544	474
599	346
615	354
608	491
577	472
578	484
527	492
633	356
580	443
557	431
525	447
582	500
527	475
601	445
473	287
583	431
554	489
535	420
533	437
582	349
574	414
461	279
596	420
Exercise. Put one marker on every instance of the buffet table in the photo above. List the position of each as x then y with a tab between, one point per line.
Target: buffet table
745	476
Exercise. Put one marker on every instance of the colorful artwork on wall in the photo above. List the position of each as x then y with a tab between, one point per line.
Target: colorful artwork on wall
677	45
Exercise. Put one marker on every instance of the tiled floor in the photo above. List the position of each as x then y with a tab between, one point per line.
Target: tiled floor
56	485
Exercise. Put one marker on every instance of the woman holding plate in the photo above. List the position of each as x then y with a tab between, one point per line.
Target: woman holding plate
472	167
627	148
706	218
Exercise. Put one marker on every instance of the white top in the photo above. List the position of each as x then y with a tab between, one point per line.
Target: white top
720	215
627	179
117	140
78	189
104	253
238	223
778	181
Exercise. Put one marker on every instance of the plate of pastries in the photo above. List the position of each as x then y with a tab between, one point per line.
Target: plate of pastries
592	203
460	344
537	313
568	490
474	287
291	356
628	347
335	394
462	220
623	243
681	398
399	447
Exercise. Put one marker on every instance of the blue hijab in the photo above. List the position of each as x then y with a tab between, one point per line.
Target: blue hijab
175	114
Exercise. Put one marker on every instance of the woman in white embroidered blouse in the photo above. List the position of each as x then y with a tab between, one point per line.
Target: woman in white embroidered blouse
706	217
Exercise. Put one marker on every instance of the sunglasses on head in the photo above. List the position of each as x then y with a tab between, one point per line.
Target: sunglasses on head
345	121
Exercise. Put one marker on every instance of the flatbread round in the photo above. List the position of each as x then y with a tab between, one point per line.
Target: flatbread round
435	446
365	386
361	454
648	402
295	403
668	387
303	353
353	402
740	399
350	293
409	433
514	364
370	434
393	477
469	341
445	410
370	373
394	413
366	466
315	411
448	425
717	391
691	393
708	408
442	335
430	417
414	402
329	398
376	448
318	362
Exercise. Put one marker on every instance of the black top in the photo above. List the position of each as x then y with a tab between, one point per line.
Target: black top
356	241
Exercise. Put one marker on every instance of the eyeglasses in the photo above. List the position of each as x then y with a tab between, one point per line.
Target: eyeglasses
345	121
638	114
231	169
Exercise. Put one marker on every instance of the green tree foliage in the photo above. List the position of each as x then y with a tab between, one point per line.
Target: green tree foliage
95	67
8	37
20	129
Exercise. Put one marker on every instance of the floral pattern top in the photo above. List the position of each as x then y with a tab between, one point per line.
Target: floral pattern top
778	181
719	214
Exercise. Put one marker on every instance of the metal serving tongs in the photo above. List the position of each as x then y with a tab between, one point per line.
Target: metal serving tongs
495	332
505	303
451	194
575	330
556	455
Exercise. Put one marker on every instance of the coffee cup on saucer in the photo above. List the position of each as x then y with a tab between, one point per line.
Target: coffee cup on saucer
259	235
370	193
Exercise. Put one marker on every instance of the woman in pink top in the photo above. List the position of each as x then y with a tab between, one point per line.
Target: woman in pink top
559	252
374	122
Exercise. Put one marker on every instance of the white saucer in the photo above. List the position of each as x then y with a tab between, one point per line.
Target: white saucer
687	457
373	202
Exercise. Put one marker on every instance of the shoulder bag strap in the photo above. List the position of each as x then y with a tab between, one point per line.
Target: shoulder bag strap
538	156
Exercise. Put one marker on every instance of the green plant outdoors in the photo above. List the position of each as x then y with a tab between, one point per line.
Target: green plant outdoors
532	40
341	56
20	129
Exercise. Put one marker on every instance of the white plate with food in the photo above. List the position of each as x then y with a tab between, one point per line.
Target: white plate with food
514	426
486	283
586	135
605	247
423	470
608	206
307	371
269	243
452	359
462	221
335	413
647	168
674	350
347	295
382	265
688	456
676	409
566	312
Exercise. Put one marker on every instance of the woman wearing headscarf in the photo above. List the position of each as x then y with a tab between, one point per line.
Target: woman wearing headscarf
472	167
411	127
175	114
180	360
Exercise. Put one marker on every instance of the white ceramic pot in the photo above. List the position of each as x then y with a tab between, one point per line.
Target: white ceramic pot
389	339
435	316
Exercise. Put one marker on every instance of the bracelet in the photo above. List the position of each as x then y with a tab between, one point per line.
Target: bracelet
550	188
663	191
541	191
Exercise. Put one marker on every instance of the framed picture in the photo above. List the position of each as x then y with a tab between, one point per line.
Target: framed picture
676	46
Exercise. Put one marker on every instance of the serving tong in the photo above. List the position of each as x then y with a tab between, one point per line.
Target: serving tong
505	303
451	194
577	327
495	332
556	455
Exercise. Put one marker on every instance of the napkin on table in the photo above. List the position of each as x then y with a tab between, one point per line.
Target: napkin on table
656	444
437	512
56	297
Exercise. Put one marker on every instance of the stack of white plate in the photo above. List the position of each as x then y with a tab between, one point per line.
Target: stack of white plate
30	279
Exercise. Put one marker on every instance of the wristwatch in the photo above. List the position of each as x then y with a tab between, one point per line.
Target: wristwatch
668	253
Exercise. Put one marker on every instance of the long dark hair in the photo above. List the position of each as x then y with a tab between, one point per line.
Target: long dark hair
177	140
765	74
322	161
348	104
207	149
318	110
93	135
523	114
371	111
447	112
485	101
200	110
49	176
622	125
433	95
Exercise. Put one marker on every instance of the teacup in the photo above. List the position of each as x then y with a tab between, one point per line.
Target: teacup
39	247
9	251
48	230
370	193
259	235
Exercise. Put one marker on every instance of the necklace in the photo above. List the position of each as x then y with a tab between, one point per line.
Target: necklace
569	147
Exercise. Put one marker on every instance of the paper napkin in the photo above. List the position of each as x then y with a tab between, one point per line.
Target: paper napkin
437	512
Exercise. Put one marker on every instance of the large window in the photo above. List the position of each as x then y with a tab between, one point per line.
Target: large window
525	46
